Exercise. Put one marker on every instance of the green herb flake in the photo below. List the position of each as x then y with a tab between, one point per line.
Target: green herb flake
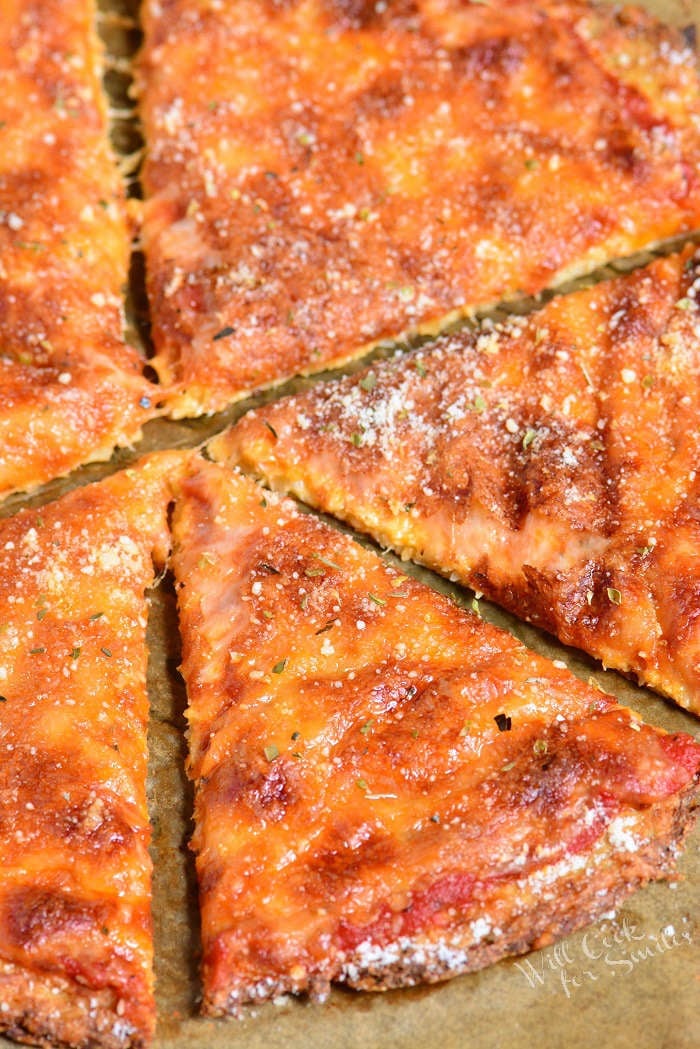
359	158
614	595
368	382
531	164
312	572
685	304
540	746
106	652
648	382
267	614
96	615
36	651
356	439
41	614
326	626
528	438
362	784
508	766
75	653
304	602
377	600
271	752
279	667
296	735
367	727
420	368
478	405
271	428
263	503
325	561
414	733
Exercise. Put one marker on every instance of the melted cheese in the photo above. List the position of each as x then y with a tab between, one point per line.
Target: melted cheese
379	774
550	463
325	174
75	881
70	387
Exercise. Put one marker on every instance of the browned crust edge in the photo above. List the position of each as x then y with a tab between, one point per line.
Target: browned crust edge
588	895
49	1010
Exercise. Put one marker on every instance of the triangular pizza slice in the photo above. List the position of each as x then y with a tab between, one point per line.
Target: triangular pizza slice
549	461
70	387
75	877
323	175
388	789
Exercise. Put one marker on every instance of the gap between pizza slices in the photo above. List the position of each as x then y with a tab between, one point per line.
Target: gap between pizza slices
550	462
75	878
70	387
389	790
322	175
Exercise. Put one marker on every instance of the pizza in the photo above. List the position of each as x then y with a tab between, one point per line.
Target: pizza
322	175
75	879
389	790
70	387
549	462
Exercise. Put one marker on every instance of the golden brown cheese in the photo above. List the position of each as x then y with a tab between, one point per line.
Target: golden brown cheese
75	878
388	789
325	174
550	462
70	388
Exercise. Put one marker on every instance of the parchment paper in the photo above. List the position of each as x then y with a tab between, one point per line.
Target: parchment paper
630	981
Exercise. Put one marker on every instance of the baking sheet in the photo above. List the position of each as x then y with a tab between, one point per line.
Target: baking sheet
629	981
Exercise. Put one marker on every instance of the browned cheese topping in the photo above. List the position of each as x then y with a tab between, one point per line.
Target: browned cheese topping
388	789
325	174
550	462
75	879
70	388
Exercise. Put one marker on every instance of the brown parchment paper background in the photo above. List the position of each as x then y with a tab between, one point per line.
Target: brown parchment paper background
629	982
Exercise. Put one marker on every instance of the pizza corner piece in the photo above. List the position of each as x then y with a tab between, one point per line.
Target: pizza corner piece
75	879
549	462
323	176
389	790
71	389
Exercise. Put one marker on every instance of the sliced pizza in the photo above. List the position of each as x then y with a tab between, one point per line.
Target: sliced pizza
71	389
550	462
388	789
75	878
324	175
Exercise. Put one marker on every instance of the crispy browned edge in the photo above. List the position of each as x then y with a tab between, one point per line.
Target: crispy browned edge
588	898
54	1011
